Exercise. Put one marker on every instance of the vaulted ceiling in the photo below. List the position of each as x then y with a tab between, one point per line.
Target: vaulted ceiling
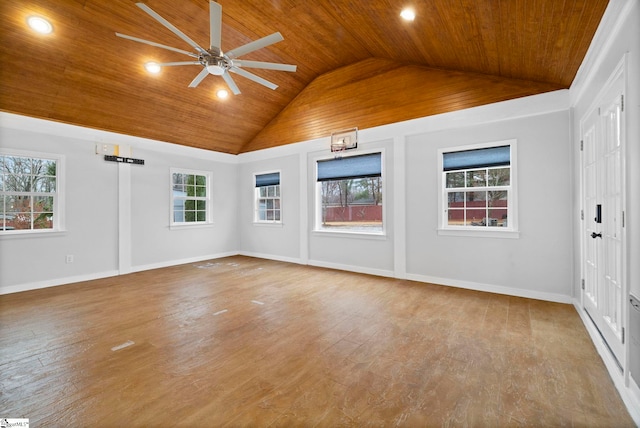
358	64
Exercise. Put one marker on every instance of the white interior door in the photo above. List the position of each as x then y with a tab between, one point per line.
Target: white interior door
603	209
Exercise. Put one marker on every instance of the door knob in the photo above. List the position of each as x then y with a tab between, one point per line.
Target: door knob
596	235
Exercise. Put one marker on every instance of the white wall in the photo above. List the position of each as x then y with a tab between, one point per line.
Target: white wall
91	218
153	242
536	263
117	215
363	253
275	241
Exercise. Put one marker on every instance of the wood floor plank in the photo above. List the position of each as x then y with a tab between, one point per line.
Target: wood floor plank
241	341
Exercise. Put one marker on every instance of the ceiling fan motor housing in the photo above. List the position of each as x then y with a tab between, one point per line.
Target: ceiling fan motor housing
215	66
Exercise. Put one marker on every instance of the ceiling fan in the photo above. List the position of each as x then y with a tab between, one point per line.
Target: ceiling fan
213	60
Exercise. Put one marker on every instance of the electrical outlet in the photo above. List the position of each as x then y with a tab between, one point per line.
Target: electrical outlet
69	258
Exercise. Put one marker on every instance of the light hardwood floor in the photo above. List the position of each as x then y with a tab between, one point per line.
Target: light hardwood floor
249	342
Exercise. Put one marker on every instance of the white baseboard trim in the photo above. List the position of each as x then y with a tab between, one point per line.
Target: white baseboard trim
634	409
630	395
351	268
271	257
170	263
9	289
490	288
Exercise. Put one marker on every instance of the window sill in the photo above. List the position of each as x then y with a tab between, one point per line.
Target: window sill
278	224
21	234
481	233
379	236
191	226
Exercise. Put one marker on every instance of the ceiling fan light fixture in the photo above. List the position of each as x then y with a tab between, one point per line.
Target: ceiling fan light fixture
222	94
408	14
40	25
152	67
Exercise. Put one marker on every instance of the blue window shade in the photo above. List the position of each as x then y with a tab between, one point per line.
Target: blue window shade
272	179
477	158
350	167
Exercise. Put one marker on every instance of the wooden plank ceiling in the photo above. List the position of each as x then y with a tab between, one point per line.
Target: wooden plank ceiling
358	63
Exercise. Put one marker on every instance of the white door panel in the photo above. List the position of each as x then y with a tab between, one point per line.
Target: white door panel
603	204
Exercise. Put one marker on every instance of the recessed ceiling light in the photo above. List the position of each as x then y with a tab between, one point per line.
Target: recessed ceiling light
40	25
152	67
408	14
222	93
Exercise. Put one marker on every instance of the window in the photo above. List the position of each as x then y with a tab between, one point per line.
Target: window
478	187
350	194
267	205
190	197
29	193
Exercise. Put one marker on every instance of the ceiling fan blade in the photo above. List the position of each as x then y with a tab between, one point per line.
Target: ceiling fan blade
253	77
255	45
195	82
264	65
170	26
215	21
231	83
167	64
158	45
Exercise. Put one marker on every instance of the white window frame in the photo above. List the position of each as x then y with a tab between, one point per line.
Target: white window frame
58	196
257	197
208	205
511	230
319	230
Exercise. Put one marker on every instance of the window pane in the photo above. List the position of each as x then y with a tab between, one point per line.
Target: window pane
277	215
43	203
497	198
201	216
201	205
18	183
190	204
201	191
201	180
276	203
271	191
49	167
455	179
43	220
44	184
277	191
269	204
189	216
456	199
476	217
455	217
498	211
352	204
476	199
18	165
477	178
178	216
500	177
